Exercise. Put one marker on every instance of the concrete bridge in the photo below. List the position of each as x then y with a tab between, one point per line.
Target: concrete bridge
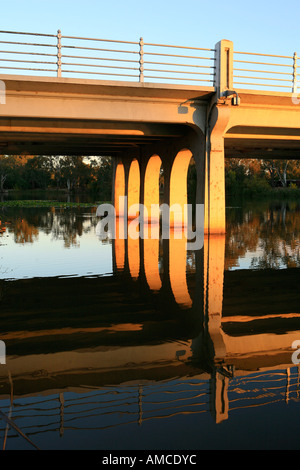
150	123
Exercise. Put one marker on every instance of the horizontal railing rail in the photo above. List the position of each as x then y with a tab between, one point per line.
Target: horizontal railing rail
266	70
75	56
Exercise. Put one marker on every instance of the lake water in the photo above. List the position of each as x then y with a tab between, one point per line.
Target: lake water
144	345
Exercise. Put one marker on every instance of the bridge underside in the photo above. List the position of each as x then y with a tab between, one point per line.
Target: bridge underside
83	137
263	142
108	138
144	126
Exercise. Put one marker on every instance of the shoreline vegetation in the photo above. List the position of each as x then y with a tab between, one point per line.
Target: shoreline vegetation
257	179
240	194
72	181
47	203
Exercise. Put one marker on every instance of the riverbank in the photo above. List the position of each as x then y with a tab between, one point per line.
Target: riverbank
46	203
263	193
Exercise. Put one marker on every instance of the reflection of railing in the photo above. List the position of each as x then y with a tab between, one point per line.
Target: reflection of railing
112	407
264	389
109	407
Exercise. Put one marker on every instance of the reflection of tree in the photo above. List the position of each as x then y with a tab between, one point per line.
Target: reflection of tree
25	232
273	233
66	226
61	224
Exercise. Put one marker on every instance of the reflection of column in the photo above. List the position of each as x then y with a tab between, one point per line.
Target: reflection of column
151	266
119	244
214	258
133	250
220	397
177	267
62	403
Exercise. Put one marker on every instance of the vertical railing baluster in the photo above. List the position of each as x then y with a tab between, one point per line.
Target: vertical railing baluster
59	53
295	73
141	43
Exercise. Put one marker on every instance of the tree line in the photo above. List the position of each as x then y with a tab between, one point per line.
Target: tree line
69	173
257	176
94	174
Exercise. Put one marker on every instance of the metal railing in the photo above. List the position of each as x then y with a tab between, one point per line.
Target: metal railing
72	56
266	70
127	60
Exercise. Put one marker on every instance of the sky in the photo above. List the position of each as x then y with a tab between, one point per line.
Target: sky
260	25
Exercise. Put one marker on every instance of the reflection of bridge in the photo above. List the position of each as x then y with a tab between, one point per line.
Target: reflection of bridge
149	322
149	125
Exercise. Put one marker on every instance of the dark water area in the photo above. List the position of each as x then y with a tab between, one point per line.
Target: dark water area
141	344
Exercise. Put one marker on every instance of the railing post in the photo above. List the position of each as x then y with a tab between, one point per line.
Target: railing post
295	73
224	66
59	53
141	60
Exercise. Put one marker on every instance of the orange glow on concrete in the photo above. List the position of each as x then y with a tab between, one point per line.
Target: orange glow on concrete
133	189
214	260
215	193
119	189
178	187
215	263
151	252
133	246
151	188
177	267
119	245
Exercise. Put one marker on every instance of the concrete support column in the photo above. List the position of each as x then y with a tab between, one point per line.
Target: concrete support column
133	190
215	172
150	188
125	185
149	197
118	187
178	188
215	188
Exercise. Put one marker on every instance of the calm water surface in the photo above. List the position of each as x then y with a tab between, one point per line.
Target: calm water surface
114	345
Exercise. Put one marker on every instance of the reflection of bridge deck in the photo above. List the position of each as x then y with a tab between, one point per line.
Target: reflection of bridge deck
120	328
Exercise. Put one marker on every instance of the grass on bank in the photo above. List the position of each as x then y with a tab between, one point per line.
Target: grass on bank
47	203
258	188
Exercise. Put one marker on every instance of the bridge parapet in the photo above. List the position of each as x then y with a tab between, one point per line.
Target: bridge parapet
80	57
